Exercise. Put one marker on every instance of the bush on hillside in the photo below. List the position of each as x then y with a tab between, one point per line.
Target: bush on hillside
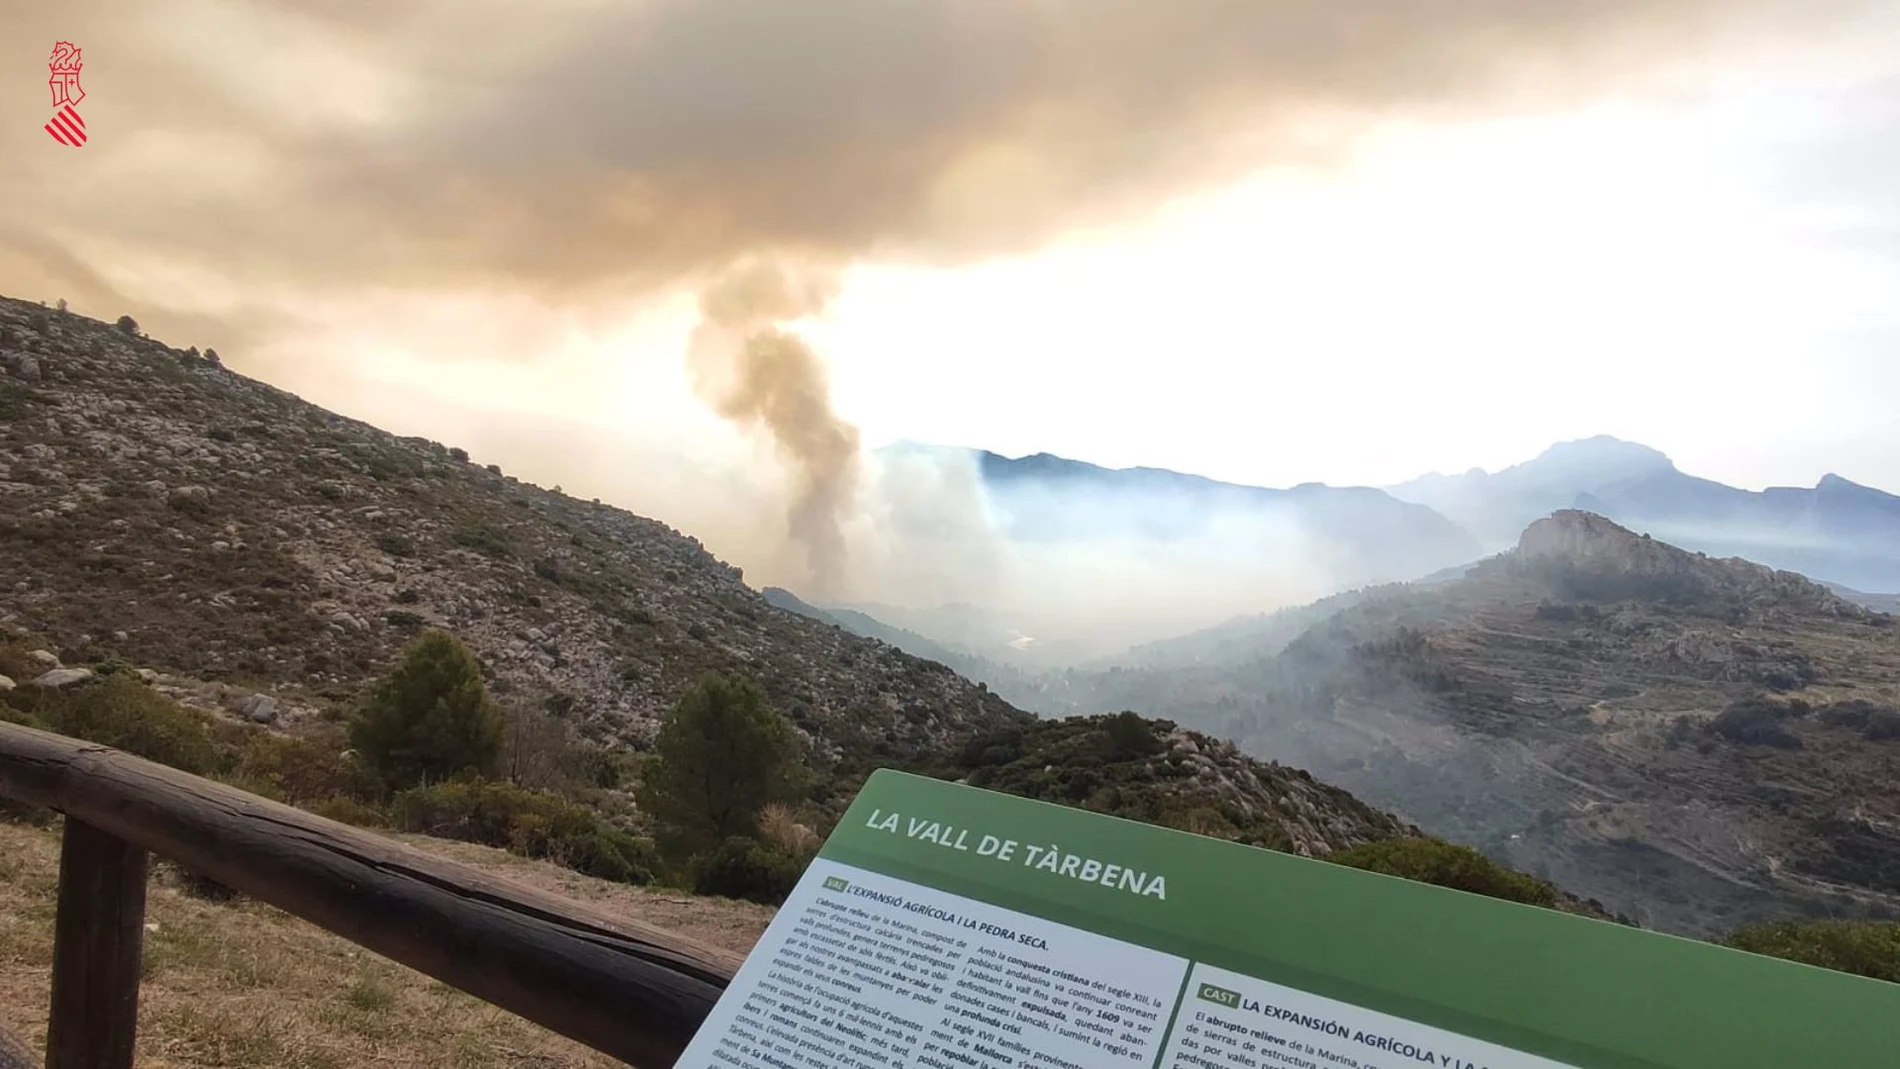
1756	722
724	755
431	717
301	770
530	823
120	711
539	750
751	869
1127	736
1438	862
1864	948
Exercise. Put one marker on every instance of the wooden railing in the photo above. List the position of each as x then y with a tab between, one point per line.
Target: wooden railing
622	988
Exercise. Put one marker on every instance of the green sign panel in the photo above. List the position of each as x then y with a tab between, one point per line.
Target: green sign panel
945	927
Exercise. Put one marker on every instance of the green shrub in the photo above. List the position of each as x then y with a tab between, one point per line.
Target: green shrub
1756	722
347	810
1127	736
431	717
530	823
1438	862
483	539
1864	948
749	869
302	770
121	712
724	754
396	544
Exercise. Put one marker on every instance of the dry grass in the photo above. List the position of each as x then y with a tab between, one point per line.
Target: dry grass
240	985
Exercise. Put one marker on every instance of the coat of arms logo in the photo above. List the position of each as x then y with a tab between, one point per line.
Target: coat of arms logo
66	126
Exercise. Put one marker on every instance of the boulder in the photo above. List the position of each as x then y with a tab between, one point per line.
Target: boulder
5	684
60	678
46	659
259	708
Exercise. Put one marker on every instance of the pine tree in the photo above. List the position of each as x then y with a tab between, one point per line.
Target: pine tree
431	717
724	754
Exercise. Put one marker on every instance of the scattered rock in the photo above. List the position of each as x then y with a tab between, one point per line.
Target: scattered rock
147	675
259	708
6	684
44	658
60	678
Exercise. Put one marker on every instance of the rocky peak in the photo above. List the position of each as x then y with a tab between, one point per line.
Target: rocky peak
1587	539
1594	557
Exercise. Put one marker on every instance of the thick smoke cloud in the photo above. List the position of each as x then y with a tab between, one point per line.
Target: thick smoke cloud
592	149
251	161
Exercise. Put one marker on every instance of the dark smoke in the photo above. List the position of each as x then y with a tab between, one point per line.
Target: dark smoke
753	372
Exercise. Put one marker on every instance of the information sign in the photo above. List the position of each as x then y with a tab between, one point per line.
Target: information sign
946	927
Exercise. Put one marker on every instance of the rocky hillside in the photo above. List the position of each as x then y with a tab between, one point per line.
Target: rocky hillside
229	541
1695	742
163	511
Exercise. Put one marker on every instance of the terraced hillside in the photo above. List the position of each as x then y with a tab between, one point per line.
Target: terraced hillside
1696	742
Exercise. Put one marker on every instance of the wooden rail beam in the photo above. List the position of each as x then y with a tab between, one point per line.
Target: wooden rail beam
628	990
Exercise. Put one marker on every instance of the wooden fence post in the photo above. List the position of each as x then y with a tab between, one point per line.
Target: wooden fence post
97	939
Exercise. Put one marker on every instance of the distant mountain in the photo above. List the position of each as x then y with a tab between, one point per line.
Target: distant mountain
1838	530
1696	742
1356	535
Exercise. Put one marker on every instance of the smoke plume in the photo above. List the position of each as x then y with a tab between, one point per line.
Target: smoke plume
755	373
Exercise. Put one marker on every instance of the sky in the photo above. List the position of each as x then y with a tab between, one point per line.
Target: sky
1267	242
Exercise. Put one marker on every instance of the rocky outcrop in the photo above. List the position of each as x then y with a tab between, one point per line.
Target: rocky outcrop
1598	557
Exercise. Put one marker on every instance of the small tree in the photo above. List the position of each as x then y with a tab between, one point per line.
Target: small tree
724	754
431	717
539	751
212	356
128	325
